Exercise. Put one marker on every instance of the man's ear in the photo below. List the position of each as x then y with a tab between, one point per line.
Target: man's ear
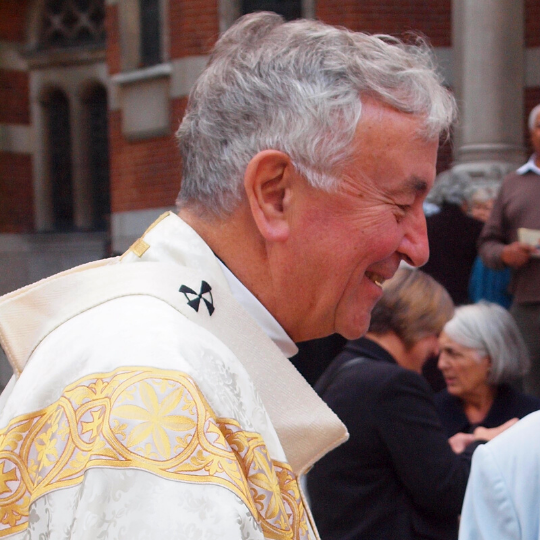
267	182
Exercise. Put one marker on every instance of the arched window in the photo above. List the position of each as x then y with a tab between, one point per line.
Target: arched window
59	159
72	23
98	156
289	9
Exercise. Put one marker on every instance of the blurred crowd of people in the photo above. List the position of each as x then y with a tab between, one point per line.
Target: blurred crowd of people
404	471
473	314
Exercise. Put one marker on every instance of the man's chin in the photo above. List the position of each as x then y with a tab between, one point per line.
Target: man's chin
355	329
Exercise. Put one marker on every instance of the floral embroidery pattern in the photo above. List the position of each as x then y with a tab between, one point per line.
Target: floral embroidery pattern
149	419
273	486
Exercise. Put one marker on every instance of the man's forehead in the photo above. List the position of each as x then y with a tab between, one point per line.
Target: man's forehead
386	128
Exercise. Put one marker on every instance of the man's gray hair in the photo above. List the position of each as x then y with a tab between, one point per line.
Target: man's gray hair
492	331
532	117
296	87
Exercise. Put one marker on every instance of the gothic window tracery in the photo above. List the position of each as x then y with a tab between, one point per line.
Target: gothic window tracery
72	23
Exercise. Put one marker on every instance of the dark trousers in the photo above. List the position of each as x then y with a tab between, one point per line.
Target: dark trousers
527	317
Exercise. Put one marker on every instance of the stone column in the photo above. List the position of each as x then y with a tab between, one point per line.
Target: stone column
488	42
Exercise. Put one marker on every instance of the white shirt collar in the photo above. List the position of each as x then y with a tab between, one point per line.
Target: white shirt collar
261	315
530	166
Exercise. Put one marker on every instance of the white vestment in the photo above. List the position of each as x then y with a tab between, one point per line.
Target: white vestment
147	403
502	501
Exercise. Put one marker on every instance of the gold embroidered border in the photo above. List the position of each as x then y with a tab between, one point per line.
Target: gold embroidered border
149	419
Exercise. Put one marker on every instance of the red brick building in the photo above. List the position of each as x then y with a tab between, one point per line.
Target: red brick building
92	91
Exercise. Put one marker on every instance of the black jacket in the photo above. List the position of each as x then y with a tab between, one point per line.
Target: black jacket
397	477
452	250
508	404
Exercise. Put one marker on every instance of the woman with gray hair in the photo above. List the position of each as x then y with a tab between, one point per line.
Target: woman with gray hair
481	353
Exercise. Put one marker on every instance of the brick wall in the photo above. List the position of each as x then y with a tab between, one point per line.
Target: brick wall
432	18
16	188
16	193
144	174
14	97
13	20
194	27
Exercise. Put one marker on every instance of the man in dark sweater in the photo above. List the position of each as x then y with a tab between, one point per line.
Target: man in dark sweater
518	205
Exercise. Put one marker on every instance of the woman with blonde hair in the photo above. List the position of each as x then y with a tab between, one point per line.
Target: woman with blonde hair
398	476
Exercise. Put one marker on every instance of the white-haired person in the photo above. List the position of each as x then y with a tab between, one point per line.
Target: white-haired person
153	396
399	476
480	198
481	354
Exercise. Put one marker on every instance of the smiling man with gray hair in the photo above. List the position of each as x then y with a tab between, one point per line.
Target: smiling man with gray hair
152	395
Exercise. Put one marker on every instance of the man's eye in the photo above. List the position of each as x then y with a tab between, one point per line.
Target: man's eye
401	211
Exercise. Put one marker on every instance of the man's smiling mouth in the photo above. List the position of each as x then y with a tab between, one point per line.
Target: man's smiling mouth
375	278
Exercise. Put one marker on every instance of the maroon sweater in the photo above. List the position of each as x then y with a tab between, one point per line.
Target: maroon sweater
518	205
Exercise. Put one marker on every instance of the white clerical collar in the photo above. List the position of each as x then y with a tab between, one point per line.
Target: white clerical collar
530	166
261	315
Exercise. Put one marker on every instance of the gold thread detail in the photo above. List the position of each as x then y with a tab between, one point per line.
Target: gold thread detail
148	419
139	247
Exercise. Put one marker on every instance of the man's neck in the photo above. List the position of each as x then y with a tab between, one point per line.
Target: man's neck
241	249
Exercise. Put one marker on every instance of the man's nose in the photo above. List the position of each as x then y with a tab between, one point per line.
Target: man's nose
414	247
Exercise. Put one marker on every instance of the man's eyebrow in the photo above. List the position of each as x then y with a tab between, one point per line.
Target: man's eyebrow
412	185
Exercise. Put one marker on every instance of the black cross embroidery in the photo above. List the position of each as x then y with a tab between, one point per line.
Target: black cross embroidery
195	302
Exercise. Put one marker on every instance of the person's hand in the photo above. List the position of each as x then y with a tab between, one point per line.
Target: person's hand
460	441
486	434
516	254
